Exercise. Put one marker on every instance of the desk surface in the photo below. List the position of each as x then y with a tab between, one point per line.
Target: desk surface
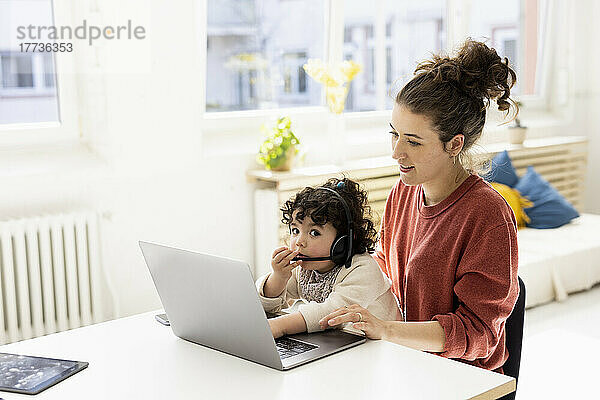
136	357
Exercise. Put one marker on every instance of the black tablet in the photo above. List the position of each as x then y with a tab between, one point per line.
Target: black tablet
31	375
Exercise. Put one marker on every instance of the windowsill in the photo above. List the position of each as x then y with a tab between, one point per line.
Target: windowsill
366	134
27	93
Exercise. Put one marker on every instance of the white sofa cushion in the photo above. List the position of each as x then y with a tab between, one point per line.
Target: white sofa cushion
555	262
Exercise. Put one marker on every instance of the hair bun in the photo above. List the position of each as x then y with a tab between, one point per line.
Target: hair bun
476	70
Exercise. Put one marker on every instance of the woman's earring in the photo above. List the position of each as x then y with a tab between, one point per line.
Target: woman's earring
454	160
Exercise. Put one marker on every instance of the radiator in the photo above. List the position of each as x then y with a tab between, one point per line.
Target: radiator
49	275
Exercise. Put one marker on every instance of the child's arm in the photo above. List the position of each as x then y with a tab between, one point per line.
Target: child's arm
287	324
275	285
275	304
282	265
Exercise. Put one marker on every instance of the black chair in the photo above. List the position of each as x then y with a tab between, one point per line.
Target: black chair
514	339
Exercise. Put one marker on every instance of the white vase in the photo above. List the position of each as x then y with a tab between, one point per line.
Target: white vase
336	138
516	135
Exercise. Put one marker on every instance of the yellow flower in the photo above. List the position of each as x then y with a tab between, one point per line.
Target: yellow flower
320	72
350	69
334	79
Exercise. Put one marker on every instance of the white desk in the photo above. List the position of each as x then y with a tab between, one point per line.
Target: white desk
155	364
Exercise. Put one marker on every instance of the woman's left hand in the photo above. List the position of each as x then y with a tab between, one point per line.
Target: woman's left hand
362	319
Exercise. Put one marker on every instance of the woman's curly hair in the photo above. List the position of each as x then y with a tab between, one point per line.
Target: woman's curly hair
454	92
323	206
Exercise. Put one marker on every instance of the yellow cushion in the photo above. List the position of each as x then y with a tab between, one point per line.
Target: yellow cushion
515	201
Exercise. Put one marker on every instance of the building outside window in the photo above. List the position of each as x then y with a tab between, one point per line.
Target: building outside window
255	53
28	90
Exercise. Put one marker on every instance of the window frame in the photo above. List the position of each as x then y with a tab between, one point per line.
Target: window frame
240	121
66	130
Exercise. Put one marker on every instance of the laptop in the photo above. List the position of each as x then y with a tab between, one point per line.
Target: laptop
212	301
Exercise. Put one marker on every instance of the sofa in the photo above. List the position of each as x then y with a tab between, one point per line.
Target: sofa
559	261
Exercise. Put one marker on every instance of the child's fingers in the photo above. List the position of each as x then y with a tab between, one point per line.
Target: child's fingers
293	254
293	265
281	256
278	251
285	257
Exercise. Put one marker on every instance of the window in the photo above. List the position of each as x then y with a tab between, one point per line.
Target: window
359	46
294	78
255	61
28	92
498	24
414	30
255	53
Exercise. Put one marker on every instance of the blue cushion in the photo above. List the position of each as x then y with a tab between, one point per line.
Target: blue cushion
550	209
502	171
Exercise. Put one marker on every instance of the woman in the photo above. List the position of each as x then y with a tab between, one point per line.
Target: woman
448	240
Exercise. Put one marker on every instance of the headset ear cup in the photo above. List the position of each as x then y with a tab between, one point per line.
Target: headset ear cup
349	248
339	250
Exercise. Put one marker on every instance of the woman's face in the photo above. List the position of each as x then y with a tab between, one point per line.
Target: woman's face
417	148
312	240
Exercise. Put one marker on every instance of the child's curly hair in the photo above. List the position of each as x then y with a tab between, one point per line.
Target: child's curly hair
323	206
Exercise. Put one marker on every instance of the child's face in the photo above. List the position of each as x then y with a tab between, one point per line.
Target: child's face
312	240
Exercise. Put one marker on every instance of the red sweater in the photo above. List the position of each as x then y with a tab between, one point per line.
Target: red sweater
456	263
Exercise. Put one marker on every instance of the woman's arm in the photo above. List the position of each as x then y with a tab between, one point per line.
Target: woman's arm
427	336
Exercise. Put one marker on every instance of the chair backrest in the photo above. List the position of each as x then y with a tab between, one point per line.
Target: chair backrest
514	337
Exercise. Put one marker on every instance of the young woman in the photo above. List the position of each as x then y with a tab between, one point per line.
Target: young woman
448	240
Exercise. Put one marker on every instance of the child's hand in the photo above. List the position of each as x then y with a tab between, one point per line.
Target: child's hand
276	328
282	271
287	324
282	264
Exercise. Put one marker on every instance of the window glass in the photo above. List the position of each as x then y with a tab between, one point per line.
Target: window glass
28	90
513	35
359	46
256	50
414	30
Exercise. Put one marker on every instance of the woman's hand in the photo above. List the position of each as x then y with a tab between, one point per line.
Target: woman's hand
362	319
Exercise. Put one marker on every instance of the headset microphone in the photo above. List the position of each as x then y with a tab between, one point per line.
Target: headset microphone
311	258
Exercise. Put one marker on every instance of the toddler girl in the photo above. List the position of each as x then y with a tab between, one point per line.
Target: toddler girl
328	264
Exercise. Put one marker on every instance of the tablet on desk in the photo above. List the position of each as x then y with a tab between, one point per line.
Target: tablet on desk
31	375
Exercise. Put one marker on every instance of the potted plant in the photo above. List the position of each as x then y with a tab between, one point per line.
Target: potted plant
517	132
279	149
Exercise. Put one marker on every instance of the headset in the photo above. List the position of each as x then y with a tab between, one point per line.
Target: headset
341	248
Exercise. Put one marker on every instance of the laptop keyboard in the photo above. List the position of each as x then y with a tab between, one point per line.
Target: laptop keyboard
287	347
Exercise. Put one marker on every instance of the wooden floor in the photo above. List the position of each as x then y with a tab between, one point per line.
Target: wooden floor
561	349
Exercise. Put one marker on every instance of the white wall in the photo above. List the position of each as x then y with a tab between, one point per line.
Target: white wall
155	175
587	95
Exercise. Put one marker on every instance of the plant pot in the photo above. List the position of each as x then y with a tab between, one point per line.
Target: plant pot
517	135
286	165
